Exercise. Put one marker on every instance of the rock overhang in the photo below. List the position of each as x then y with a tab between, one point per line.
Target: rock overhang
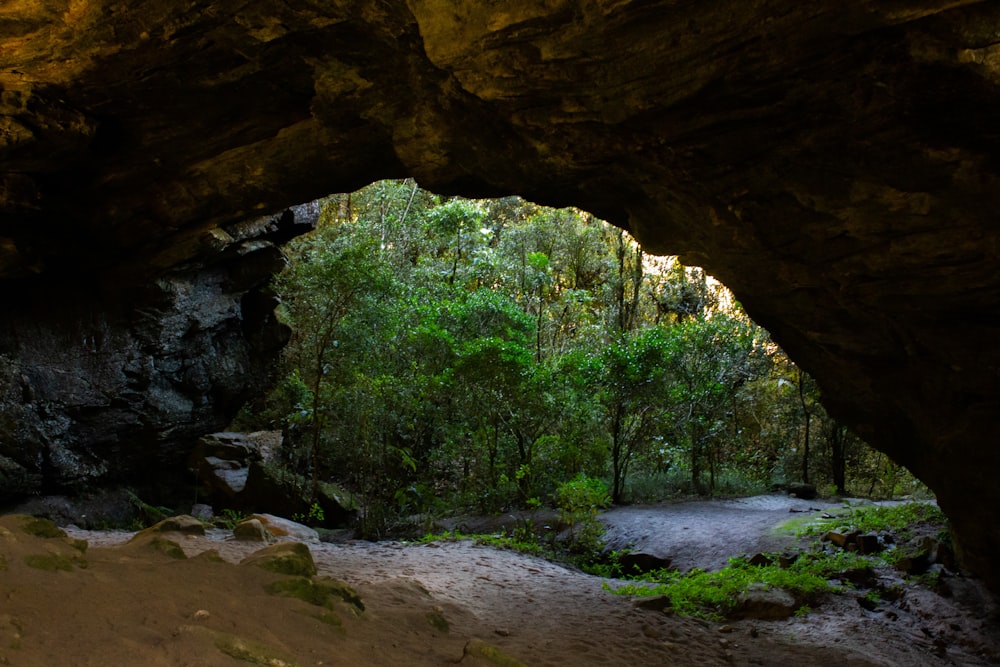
834	164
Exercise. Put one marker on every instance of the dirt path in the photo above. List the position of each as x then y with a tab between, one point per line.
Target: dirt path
706	533
545	614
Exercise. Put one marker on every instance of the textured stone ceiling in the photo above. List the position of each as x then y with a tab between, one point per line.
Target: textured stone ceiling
834	162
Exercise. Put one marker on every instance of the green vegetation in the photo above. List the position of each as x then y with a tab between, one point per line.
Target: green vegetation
438	621
52	562
314	516
167	547
322	592
458	355
40	527
578	501
147	515
714	594
231	517
492	655
290	558
249	651
899	519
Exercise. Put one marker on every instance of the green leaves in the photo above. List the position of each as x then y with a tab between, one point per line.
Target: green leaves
491	350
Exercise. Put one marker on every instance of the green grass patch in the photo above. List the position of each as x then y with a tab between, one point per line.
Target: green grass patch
813	523
520	545
713	595
446	536
525	545
897	519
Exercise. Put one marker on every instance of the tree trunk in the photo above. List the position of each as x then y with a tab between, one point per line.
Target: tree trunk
808	419
838	457
617	481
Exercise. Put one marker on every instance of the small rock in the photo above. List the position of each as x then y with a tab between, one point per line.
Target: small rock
867	603
765	604
868	544
653	603
641	563
202	512
836	538
802	490
251	530
785	560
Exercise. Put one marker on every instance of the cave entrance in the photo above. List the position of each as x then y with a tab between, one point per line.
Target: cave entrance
483	353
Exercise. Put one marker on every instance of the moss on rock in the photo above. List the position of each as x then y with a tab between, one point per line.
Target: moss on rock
321	592
39	527
291	558
51	562
477	648
253	652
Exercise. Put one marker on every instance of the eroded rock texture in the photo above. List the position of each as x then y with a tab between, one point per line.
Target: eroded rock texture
110	379
833	162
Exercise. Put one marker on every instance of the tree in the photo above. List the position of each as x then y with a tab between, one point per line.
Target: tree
631	381
334	278
709	359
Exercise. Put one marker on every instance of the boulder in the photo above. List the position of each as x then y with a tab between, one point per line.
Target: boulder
251	530
653	603
285	529
184	524
291	558
221	464
766	604
802	490
202	512
917	555
281	493
641	563
102	508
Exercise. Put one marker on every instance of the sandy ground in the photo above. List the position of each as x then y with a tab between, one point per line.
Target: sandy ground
440	603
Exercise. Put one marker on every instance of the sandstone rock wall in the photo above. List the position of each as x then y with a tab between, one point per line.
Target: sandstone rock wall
104	381
834	162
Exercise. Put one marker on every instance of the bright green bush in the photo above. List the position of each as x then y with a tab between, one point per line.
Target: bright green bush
578	502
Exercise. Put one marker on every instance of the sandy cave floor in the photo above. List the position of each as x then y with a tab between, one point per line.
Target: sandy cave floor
134	606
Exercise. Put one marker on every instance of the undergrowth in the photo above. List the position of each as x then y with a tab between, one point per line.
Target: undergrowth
898	519
714	594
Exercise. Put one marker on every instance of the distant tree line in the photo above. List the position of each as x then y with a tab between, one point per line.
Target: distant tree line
458	354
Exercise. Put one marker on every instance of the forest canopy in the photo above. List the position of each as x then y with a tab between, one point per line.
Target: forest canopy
451	354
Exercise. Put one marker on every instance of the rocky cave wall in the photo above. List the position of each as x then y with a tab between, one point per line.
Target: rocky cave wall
107	382
835	163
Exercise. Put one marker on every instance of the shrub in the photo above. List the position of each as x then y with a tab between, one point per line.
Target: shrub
578	501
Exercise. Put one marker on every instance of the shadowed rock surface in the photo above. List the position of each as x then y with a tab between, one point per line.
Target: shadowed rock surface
834	163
